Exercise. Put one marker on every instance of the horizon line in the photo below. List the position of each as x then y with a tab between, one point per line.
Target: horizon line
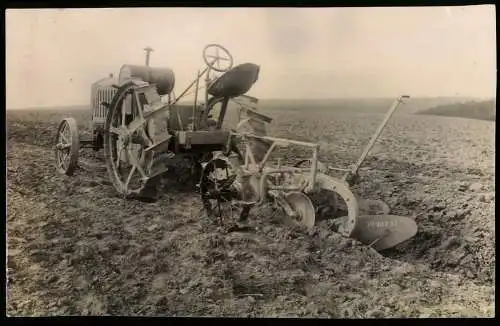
284	99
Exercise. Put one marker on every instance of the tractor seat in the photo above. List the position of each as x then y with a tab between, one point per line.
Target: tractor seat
235	82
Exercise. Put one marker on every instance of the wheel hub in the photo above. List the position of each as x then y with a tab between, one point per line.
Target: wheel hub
62	146
124	140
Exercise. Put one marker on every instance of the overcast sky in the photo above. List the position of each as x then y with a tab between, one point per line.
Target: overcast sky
53	55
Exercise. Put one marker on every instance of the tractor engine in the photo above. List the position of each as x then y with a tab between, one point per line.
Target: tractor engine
163	80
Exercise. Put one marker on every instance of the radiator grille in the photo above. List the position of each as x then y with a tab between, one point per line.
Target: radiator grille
103	94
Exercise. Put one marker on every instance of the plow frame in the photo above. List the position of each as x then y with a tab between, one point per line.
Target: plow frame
251	166
314	179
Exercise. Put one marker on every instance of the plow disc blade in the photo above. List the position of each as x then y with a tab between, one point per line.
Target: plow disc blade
384	231
302	207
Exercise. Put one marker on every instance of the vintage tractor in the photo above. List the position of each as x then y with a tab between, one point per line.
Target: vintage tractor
141	126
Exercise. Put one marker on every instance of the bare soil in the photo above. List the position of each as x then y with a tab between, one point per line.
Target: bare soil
75	248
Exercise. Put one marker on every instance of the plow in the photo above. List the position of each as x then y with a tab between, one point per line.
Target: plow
140	125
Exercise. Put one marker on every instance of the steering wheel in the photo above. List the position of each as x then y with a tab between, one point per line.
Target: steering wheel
214	61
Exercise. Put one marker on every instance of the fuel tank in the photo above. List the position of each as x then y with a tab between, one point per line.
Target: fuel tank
164	78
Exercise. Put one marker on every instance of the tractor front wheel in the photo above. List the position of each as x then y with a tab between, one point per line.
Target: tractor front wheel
67	145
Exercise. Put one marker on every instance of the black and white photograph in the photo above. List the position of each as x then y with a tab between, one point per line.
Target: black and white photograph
259	162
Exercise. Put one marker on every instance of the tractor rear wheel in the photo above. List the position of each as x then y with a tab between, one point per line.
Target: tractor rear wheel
127	163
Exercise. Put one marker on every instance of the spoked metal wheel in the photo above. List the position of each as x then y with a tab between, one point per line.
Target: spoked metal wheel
218	193
127	164
67	145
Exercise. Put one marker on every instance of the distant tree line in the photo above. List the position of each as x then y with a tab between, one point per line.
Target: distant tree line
482	110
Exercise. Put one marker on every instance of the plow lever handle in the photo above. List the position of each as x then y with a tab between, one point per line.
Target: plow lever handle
350	177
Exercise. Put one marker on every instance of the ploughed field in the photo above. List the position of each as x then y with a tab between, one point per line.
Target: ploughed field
75	247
